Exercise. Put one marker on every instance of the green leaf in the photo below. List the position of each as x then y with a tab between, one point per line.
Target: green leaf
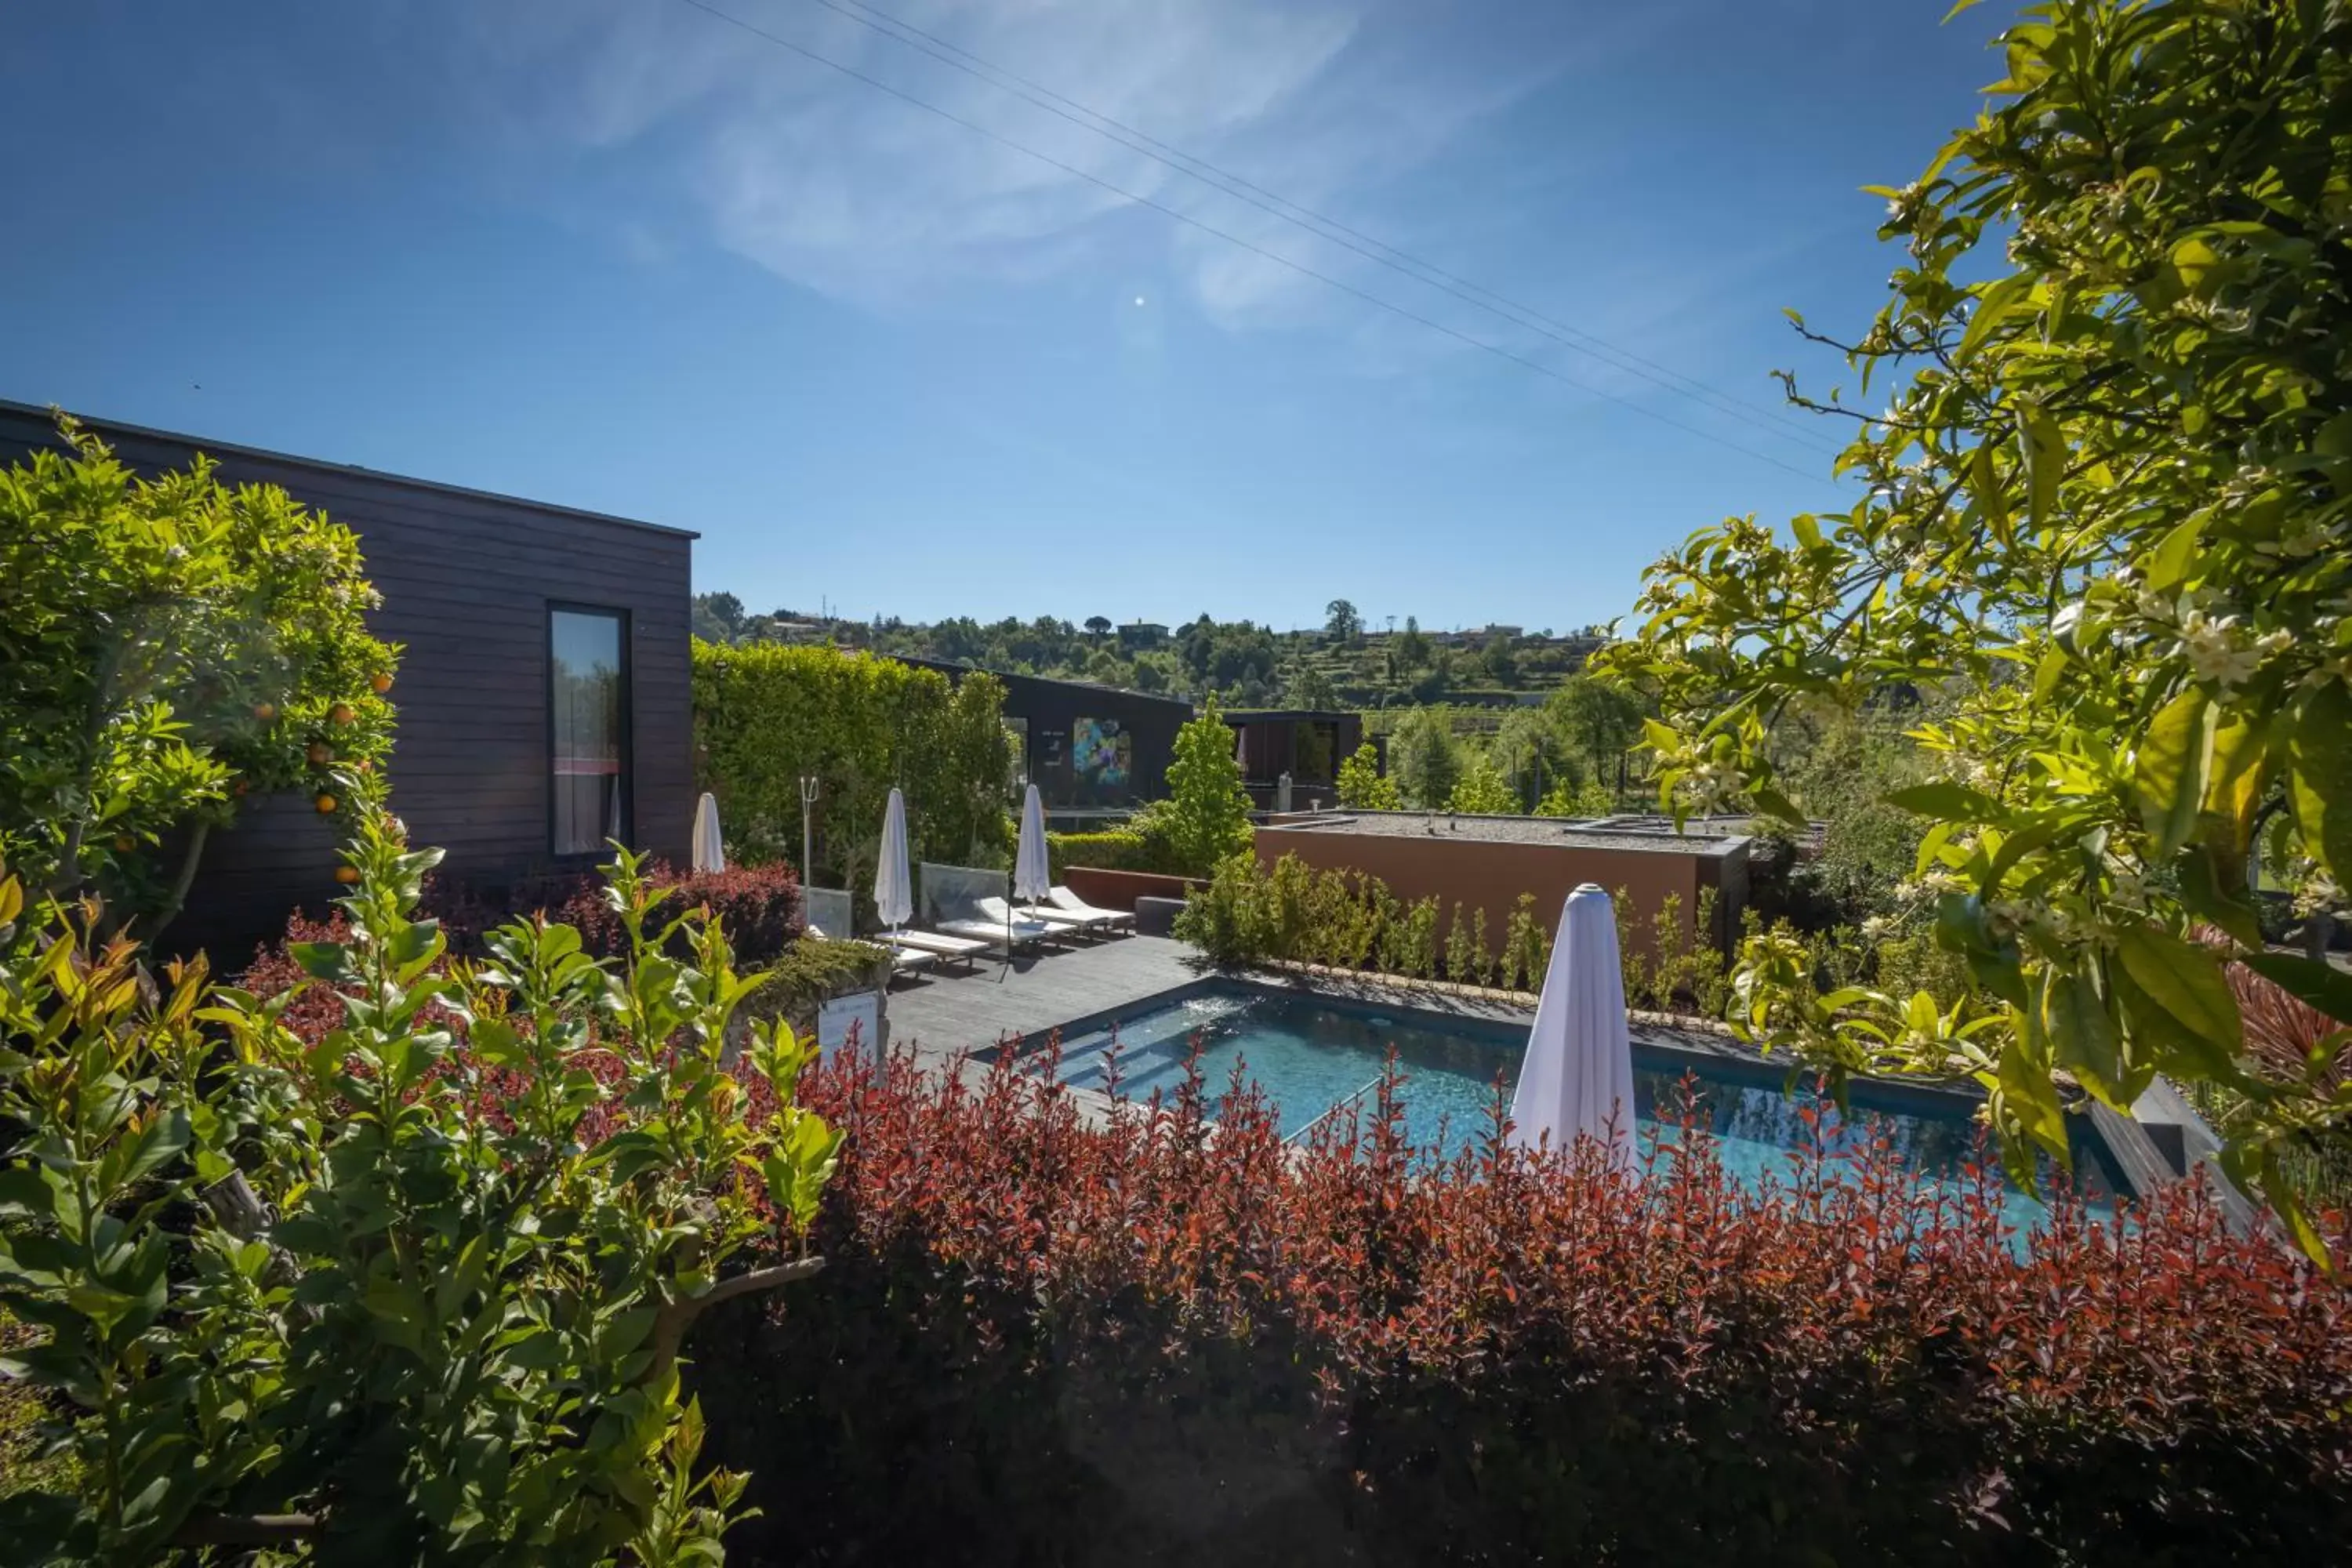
1984	489
1947	801
2204	891
328	960
2042	447
2168	773
2319	756
2193	262
2017	846
2169	565
1961	924
2085	1037
2163	1041
2048	673
1996	302
2234	792
2186	981
2313	982
25	1193
162	1139
1772	803
2029	1096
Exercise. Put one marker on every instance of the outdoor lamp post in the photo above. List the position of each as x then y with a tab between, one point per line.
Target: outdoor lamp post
808	805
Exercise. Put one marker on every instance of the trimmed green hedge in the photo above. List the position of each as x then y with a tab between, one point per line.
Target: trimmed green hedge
765	715
1117	851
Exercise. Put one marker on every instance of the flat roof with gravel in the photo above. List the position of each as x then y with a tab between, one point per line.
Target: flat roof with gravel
1552	832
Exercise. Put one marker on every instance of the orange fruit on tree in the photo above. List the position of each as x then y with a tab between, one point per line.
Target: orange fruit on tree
325	803
342	713
124	843
365	765
320	753
380	682
265	711
347	874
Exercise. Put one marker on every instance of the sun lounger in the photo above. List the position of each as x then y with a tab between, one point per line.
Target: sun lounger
1057	922
995	931
946	947
906	960
1083	925
1069	903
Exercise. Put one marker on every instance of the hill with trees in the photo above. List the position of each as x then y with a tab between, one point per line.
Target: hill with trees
1344	663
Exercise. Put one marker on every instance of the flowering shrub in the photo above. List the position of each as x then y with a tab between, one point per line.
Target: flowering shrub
1053	1338
2106	512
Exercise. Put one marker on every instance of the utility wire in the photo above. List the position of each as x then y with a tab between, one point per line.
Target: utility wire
1321	225
1230	238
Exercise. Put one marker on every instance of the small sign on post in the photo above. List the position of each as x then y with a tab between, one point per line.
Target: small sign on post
858	1015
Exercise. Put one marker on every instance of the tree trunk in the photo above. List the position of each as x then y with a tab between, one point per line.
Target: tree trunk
67	875
183	881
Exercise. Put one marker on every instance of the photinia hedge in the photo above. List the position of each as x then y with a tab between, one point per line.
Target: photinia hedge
1048	1336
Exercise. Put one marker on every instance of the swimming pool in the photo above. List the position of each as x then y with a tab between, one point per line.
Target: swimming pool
1311	1053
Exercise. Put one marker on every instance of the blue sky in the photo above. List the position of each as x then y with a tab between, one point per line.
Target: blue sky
624	254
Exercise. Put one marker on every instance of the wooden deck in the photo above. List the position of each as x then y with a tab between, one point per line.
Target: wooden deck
941	1016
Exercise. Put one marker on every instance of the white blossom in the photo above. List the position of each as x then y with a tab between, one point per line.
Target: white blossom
2216	650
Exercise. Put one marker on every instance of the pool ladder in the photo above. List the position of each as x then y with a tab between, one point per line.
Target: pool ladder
1334	1110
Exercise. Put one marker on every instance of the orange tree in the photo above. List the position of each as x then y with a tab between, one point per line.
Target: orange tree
168	647
2109	510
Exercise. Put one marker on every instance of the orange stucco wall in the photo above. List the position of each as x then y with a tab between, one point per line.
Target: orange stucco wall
1479	873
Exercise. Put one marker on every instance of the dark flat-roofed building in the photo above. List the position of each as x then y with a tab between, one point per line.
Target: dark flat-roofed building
1086	747
1308	743
544	703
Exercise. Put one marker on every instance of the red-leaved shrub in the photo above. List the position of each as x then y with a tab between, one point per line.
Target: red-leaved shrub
1043	1336
760	907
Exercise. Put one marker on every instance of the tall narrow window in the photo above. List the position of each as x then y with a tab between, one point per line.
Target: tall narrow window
589	672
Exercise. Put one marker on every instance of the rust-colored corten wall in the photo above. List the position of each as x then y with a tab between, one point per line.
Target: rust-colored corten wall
1479	873
1119	890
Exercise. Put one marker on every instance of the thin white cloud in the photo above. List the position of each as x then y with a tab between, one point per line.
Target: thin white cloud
834	185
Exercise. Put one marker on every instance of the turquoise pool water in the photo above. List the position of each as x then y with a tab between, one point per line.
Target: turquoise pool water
1310	1055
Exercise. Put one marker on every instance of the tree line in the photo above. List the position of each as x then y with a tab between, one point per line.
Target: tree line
1343	663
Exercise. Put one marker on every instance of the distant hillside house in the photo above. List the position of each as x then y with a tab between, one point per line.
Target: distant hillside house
543	704
1137	634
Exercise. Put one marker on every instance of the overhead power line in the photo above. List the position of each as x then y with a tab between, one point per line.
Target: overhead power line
1497	349
1322	225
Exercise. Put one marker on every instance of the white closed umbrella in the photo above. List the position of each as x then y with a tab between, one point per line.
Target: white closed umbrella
709	854
893	889
1578	1076
1033	878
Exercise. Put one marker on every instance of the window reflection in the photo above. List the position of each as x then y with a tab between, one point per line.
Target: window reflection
590	695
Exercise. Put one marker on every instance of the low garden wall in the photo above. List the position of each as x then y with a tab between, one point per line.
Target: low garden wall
1119	890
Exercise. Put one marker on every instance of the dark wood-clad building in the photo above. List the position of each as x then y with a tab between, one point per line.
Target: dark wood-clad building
543	701
1086	747
1309	744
